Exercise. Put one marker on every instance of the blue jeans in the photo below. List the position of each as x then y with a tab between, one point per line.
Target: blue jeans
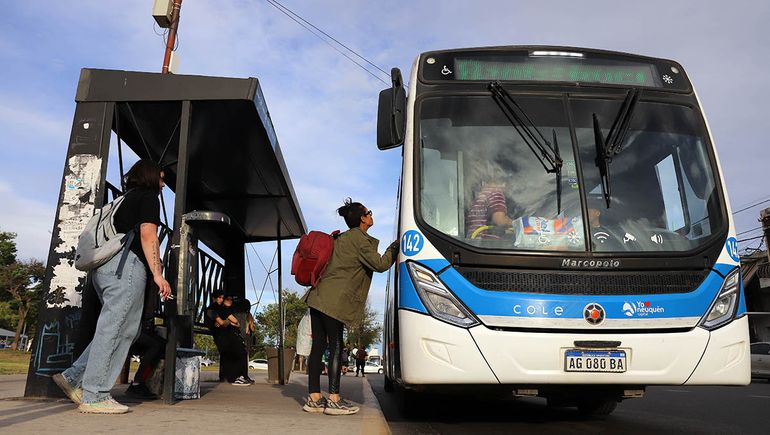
97	369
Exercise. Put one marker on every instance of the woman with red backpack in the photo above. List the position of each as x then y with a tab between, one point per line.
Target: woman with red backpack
339	298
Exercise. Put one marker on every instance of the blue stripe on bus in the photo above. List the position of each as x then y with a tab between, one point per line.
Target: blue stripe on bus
494	303
407	295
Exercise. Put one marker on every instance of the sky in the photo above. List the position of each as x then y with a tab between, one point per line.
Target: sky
324	107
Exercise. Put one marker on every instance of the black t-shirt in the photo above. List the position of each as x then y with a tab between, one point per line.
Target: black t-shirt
140	206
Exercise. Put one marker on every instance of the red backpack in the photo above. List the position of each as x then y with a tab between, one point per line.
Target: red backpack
311	257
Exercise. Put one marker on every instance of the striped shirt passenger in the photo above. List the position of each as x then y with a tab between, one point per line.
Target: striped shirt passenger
488	201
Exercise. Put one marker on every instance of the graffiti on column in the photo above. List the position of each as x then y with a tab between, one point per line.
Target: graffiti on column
81	181
54	350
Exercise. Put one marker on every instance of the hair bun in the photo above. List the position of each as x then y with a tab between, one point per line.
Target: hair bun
343	211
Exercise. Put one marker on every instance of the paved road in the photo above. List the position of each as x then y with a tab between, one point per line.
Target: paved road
744	410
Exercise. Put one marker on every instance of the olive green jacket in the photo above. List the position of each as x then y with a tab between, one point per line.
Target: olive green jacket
344	287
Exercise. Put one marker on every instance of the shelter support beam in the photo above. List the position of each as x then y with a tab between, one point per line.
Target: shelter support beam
173	322
69	306
281	320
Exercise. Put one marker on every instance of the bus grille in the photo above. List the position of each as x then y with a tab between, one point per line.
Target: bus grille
582	283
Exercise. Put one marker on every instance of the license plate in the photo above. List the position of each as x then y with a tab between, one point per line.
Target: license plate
601	361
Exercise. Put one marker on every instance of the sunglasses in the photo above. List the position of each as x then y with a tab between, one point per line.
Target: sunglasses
368	213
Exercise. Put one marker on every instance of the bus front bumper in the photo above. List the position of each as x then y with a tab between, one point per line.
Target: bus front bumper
434	352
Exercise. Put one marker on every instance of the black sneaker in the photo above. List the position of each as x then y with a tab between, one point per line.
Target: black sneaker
140	391
341	407
241	382
315	406
249	380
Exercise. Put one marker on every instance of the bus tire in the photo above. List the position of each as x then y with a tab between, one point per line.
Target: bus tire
410	402
597	407
387	384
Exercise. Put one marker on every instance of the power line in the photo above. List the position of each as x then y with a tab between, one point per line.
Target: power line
752	206
301	21
748	231
751	238
330	37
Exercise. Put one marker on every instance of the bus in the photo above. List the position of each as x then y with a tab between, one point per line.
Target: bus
564	226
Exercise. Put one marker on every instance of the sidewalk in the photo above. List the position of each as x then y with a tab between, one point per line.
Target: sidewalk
260	408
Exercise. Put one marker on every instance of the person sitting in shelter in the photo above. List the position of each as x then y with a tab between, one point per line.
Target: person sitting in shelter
149	346
239	309
224	328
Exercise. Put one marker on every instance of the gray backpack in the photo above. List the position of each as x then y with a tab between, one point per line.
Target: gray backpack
100	242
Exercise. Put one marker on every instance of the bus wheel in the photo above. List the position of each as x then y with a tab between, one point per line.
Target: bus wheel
410	402
388	384
597	407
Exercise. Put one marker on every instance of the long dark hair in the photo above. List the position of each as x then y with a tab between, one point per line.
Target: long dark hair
145	174
352	212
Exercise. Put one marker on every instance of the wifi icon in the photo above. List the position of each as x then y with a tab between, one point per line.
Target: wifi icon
601	236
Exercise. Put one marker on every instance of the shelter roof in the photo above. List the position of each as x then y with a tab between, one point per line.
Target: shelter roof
235	163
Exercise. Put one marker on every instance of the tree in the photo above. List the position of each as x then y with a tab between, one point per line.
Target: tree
366	331
23	280
7	248
268	319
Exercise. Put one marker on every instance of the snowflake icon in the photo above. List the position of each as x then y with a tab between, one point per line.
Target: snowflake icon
667	78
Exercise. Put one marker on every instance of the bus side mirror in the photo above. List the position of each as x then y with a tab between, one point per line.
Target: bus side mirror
391	113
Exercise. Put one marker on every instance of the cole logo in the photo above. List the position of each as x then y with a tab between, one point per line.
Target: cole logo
732	248
411	243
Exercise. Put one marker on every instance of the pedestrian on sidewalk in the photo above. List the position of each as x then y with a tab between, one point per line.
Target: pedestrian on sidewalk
361	361
89	381
339	299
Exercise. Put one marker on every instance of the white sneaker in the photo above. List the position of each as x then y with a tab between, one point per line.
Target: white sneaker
72	393
241	382
108	406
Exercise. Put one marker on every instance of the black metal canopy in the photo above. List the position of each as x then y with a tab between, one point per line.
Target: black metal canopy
235	165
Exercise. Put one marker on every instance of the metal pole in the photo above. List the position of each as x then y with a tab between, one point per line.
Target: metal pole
281	370
171	35
764	217
173	321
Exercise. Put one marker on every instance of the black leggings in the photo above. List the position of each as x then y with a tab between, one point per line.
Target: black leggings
233	361
326	331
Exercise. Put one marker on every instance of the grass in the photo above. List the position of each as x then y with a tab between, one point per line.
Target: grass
14	362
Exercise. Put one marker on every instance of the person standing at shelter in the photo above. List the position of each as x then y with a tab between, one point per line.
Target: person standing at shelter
339	299
361	361
89	381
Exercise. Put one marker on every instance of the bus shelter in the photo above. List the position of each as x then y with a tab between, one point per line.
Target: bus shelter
216	143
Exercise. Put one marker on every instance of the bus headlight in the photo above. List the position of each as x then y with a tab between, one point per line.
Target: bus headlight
723	308
439	301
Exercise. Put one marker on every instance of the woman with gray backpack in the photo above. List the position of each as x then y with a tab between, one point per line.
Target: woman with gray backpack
119	282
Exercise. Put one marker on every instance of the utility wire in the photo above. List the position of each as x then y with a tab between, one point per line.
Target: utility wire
751	238
752	205
748	231
276	2
301	21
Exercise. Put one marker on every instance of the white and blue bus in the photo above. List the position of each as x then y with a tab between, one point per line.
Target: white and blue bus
565	229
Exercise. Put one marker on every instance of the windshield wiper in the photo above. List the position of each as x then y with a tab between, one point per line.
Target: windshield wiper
545	152
607	148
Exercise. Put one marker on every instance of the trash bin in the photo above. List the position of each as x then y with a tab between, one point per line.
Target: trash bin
272	364
187	383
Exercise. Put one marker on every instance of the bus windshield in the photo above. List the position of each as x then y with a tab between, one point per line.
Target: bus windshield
481	185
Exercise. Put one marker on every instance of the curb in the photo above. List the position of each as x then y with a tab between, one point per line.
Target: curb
376	423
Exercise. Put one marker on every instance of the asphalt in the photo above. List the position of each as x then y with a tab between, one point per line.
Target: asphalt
222	408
